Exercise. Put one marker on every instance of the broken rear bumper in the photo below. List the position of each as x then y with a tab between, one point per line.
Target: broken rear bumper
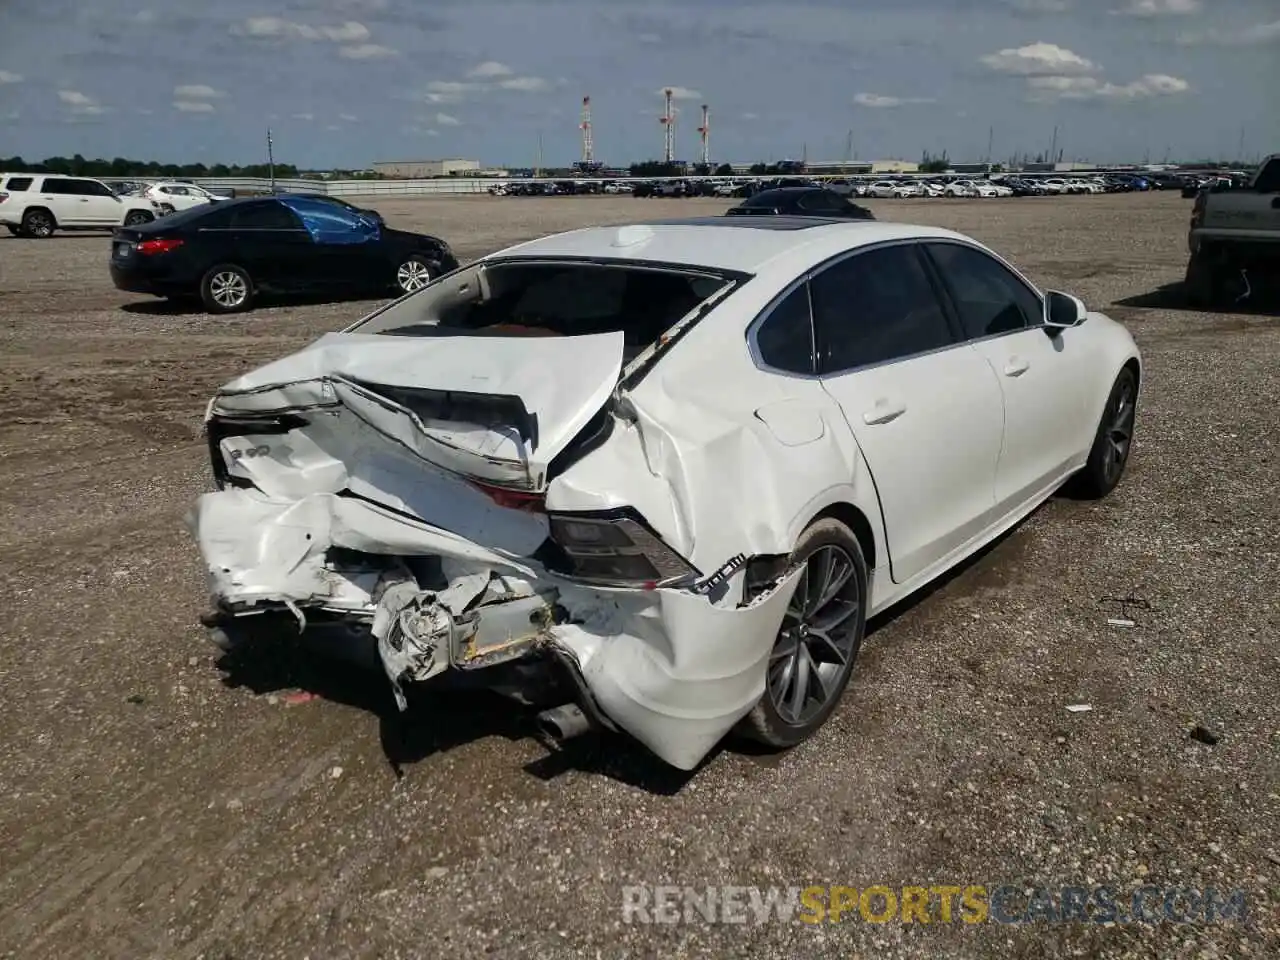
668	666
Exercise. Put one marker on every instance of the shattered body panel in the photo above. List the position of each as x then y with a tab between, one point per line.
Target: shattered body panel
343	494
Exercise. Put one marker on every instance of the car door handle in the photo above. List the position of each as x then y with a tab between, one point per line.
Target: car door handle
884	412
1016	367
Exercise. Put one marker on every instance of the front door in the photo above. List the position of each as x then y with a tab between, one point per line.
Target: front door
1041	377
925	408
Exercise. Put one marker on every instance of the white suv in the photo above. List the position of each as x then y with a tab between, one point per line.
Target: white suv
179	196
37	204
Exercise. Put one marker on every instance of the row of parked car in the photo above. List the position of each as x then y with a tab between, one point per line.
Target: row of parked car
887	187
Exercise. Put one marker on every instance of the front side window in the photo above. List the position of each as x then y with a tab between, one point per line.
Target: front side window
875	307
989	297
329	223
784	340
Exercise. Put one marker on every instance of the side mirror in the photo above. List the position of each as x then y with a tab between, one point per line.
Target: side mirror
1062	311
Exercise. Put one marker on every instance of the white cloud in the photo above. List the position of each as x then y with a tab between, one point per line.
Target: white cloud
280	29
196	91
304	116
490	69
193	106
1158	8
876	100
649	38
348	117
681	93
81	105
366	51
524	84
7	77
1091	88
1256	35
1040	6
751	116
447	121
1039	59
333	126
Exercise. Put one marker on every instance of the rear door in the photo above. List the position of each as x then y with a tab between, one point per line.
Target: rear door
1048	383
269	240
925	407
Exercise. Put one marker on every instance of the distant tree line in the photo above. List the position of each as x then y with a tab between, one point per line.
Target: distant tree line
121	167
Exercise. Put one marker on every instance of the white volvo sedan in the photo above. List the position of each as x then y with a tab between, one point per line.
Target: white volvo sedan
660	473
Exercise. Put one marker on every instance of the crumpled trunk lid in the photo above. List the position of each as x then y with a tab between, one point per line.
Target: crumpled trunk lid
496	409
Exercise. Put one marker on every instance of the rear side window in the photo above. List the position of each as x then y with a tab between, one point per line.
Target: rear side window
1269	178
264	216
990	298
784	340
18	184
876	307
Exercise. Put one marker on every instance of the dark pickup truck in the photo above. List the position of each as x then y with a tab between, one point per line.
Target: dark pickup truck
1234	239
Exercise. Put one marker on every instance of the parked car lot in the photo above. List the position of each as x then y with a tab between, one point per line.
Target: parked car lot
163	802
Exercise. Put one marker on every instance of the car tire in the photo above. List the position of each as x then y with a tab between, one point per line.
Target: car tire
1112	443
413	273
38	223
776	720
226	288
136	218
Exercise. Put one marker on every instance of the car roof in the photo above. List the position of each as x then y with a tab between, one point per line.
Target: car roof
741	244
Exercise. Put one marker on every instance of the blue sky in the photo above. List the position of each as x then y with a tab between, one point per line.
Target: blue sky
348	82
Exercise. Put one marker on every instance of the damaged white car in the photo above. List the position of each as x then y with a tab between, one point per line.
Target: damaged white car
671	466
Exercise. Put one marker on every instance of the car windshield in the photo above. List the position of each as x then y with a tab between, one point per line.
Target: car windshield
551	299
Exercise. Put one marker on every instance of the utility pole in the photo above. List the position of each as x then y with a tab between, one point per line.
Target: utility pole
271	163
991	138
1053	150
537	165
848	152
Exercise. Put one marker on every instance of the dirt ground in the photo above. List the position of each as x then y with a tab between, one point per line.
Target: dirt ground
158	801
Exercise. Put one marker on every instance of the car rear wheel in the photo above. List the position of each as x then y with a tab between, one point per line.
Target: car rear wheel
137	217
818	639
226	288
413	274
38	223
1113	442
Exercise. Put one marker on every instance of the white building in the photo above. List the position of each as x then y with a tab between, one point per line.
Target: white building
425	169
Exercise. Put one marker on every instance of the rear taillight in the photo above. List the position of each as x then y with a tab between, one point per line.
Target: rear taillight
159	245
1197	211
512	499
3	197
615	549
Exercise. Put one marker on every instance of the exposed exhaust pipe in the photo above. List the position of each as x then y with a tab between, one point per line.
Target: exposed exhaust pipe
564	722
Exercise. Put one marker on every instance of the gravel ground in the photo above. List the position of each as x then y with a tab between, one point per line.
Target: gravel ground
158	802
